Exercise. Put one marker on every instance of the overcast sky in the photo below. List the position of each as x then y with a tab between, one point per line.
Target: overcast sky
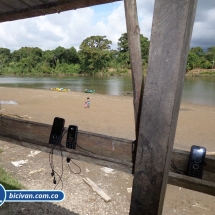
70	28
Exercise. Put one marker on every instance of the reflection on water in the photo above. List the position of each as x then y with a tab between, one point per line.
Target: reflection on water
197	90
103	85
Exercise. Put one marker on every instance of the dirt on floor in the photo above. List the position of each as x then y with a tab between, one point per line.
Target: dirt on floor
110	115
80	199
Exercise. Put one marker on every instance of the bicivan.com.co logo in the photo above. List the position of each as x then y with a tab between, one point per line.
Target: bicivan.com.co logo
30	195
2	195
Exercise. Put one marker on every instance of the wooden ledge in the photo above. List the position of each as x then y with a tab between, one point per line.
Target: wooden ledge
102	150
191	183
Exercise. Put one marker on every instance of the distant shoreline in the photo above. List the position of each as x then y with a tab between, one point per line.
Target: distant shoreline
201	73
191	73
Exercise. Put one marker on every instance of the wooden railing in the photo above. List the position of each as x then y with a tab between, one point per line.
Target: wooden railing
102	150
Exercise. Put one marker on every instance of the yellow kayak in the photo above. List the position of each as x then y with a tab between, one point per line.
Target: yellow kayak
60	89
55	89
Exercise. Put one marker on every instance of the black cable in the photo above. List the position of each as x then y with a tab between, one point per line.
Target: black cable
58	141
60	177
51	158
86	149
175	169
68	161
52	164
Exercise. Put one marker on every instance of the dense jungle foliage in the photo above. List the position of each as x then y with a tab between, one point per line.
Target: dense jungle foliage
95	57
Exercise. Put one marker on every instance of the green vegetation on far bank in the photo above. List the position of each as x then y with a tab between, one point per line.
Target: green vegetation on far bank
95	57
201	73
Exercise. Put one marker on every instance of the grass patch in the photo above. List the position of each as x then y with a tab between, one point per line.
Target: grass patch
8	182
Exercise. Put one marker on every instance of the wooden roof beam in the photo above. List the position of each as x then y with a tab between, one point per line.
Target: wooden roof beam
47	8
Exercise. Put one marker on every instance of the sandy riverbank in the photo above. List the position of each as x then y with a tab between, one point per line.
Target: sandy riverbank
110	115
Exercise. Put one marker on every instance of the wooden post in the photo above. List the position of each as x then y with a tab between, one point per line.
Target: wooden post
170	42
133	32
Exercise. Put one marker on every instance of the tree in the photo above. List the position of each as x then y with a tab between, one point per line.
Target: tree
26	59
144	43
210	56
198	51
196	58
123	49
192	61
95	54
61	55
5	56
50	58
71	56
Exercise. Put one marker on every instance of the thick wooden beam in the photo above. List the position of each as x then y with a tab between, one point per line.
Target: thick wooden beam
170	41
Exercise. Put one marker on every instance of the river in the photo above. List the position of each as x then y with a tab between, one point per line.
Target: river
197	90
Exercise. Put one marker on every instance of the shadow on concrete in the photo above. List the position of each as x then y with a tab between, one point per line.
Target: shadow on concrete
33	208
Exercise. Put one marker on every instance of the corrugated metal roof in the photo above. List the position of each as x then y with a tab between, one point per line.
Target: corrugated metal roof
20	9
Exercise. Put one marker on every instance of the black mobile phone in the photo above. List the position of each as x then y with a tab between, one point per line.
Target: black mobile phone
57	129
196	161
71	140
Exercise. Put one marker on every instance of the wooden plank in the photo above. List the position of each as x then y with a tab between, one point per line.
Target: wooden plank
174	179
180	159
97	149
28	3
45	1
102	145
5	7
97	189
17	5
170	41
191	183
